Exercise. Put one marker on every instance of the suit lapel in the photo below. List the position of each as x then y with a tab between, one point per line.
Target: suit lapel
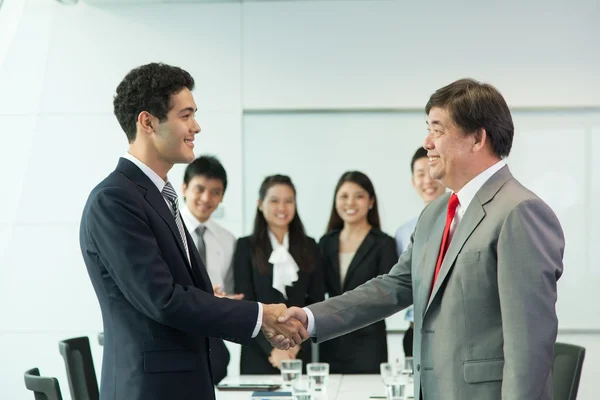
198	268
472	217
334	256
361	253
156	201
431	255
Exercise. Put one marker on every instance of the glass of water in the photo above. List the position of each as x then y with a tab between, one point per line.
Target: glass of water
303	388
408	366
389	370
319	372
290	370
396	388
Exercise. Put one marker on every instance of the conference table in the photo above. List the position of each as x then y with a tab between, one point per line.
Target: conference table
339	387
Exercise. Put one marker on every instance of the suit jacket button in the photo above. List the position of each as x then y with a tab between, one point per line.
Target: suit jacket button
418	367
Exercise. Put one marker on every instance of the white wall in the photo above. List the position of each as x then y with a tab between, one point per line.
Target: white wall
63	63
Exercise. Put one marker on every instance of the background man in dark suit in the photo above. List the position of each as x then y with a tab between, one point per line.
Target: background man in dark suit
156	298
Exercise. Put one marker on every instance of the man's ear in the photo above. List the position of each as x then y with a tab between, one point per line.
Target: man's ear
480	136
146	121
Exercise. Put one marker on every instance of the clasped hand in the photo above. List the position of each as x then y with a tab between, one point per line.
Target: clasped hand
283	327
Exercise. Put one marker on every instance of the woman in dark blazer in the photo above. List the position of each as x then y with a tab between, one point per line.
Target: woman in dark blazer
355	250
278	263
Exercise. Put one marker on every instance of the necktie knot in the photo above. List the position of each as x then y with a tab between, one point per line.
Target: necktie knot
200	230
453	204
169	193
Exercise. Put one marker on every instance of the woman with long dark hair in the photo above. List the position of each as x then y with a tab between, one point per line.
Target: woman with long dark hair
277	263
355	250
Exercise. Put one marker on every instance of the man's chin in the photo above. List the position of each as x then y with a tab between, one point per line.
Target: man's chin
203	216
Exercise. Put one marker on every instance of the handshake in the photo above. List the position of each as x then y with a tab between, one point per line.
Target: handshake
283	327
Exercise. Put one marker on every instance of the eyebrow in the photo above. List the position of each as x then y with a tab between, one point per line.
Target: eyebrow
187	109
434	122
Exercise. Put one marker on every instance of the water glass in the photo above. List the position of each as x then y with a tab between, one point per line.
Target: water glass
303	388
290	370
408	367
396	388
389	370
320	373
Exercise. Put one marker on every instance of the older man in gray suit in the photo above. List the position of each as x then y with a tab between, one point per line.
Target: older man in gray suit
481	267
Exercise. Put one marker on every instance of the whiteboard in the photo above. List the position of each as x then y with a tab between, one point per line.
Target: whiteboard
551	155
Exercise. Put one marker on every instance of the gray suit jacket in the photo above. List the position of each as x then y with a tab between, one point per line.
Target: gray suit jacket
488	329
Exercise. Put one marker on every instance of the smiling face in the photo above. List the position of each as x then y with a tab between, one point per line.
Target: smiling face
449	150
425	186
203	195
352	203
278	206
173	138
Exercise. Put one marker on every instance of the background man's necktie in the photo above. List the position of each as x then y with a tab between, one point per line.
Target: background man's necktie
200	230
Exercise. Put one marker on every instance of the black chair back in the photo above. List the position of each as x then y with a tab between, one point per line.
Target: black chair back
566	370
80	368
43	388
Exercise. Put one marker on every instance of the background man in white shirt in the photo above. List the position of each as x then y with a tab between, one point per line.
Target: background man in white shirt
204	185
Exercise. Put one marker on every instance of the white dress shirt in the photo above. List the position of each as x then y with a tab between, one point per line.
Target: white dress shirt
160	184
465	196
220	246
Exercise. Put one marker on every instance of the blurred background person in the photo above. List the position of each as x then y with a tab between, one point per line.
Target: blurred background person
204	184
355	250
428	189
277	263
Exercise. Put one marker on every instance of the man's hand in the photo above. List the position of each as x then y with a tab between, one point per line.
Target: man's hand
279	355
296	313
292	314
284	334
219	293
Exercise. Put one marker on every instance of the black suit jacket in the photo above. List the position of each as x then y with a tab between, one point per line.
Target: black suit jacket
361	351
157	314
308	289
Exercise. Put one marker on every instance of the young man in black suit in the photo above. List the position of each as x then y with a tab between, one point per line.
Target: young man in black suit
156	298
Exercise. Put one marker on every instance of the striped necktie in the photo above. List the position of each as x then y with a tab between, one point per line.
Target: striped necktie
169	193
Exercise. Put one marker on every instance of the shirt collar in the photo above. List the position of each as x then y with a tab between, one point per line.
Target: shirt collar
275	243
157	180
468	192
191	222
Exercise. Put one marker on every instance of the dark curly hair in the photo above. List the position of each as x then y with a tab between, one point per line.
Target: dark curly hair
148	88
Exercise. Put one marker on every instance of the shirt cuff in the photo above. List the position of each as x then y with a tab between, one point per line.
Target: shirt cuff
311	322
258	321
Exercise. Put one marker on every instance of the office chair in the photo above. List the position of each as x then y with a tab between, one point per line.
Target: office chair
43	388
566	370
80	368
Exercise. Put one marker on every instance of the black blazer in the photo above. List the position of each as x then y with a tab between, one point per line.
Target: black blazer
375	256
308	289
157	314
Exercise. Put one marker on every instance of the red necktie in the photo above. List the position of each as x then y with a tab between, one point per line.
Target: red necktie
452	204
